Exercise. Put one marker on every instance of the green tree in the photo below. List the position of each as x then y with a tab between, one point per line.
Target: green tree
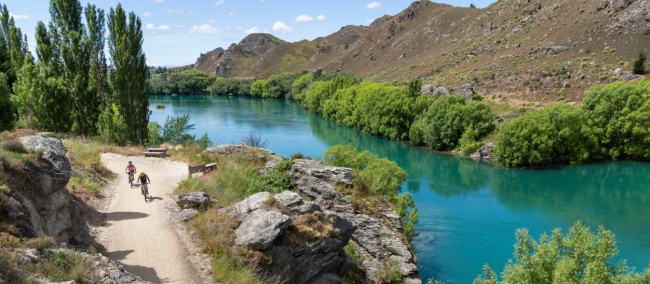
129	75
447	118
7	108
639	64
557	134
414	87
577	257
176	128
95	39
618	114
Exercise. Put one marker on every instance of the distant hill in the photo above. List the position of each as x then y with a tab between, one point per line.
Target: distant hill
521	51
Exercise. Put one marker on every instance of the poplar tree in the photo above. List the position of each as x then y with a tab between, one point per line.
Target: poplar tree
98	84
13	48
69	32
128	76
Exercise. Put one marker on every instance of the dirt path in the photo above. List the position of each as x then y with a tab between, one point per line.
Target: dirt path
138	234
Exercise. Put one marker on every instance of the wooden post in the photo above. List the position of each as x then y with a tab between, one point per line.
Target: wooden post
203	168
189	170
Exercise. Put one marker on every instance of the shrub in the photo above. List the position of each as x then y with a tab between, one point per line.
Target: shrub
447	119
639	64
557	134
618	114
577	257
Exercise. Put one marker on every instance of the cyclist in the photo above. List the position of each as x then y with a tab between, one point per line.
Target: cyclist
144	180
130	170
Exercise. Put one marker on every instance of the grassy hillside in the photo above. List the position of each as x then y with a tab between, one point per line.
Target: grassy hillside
522	52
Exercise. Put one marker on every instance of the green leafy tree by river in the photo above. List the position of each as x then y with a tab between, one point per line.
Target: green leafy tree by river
577	257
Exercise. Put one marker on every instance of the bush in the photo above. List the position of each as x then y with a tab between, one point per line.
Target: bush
558	134
577	257
618	114
639	64
447	119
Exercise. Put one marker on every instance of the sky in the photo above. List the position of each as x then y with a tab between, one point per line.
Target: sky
176	32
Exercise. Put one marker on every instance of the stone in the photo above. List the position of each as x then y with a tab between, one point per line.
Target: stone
187	214
273	161
618	72
195	200
251	203
48	206
260	228
466	91
288	198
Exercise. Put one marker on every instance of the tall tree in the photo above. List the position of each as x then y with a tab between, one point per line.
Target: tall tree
98	84
128	77
69	32
7	110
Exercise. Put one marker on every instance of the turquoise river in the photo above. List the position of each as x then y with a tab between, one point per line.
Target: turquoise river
469	210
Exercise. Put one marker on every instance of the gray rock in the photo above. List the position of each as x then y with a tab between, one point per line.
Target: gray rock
629	76
440	91
48	206
260	228
250	204
484	152
195	200
288	198
272	162
466	91
427	90
187	214
618	72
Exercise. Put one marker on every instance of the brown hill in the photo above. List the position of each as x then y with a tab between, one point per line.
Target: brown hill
518	51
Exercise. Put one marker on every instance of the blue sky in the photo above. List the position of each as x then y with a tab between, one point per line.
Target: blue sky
177	31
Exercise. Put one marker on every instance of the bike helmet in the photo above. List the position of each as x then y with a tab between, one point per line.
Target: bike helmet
142	172
129	162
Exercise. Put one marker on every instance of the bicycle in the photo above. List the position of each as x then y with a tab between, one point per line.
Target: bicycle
131	178
144	189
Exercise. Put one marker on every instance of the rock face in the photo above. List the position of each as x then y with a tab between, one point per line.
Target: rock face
433	90
277	232
484	152
466	91
379	240
49	207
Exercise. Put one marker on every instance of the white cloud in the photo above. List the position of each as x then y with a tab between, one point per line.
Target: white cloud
373	5
219	3
18	17
146	14
304	18
151	26
179	11
231	14
321	18
282	27
205	29
253	30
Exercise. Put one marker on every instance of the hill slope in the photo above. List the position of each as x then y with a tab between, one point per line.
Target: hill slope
516	50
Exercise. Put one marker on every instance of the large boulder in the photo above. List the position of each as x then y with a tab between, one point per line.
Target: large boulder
275	225
51	209
260	228
466	91
195	200
377	238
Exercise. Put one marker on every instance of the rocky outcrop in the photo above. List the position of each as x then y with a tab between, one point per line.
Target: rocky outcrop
304	241
195	200
485	152
48	206
378	239
433	90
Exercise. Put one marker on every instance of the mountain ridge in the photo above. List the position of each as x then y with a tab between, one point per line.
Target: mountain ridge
516	51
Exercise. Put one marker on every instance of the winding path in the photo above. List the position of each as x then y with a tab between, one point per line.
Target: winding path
138	234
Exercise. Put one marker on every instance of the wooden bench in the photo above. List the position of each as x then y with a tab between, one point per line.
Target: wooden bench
156	152
203	168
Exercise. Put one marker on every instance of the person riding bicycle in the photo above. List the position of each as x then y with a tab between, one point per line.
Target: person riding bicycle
144	180
130	169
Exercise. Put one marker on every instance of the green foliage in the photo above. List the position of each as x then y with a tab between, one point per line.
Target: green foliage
111	126
323	89
409	218
385	176
204	141
186	82
577	257
447	119
230	87
299	87
7	108
175	129
356	275
129	77
414	87
618	113
639	64
274	181
155	134
275	87
557	134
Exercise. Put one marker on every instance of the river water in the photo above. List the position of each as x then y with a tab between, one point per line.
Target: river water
469	210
